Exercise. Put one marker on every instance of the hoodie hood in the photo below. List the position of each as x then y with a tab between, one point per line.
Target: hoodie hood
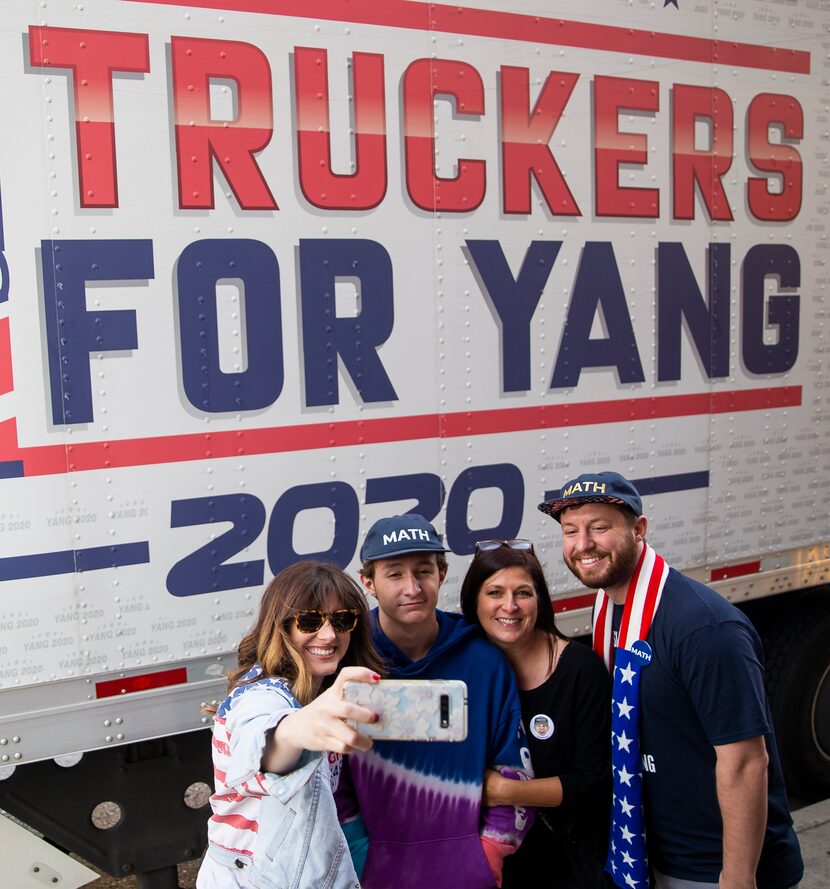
453	631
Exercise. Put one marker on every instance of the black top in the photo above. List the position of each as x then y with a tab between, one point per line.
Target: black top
568	725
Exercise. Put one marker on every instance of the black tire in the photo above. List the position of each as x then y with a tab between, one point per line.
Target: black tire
797	640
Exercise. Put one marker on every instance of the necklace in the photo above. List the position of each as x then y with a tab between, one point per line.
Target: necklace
531	667
558	646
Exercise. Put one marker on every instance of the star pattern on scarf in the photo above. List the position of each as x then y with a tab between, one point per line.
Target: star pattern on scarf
625	708
624	742
625	776
627	859
626	653
627	674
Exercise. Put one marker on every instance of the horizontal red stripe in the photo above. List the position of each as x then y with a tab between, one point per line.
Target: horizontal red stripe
111	687
572	603
55	459
235	851
237	821
730	571
437	17
230	797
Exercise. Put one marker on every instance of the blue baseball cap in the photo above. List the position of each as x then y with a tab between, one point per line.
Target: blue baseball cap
595	487
400	534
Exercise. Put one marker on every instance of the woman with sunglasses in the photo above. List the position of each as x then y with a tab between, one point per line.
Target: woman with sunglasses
279	734
566	707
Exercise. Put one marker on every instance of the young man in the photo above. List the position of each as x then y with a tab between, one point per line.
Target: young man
421	802
691	728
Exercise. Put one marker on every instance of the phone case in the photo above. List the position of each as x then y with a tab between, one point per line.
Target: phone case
412	709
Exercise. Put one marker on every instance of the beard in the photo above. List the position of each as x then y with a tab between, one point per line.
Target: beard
618	569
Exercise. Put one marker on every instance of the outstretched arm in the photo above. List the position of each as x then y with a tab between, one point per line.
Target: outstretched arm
320	725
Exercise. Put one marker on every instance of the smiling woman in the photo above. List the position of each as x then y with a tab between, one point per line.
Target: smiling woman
565	695
279	735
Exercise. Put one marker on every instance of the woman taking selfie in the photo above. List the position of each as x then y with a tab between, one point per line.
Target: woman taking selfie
274	821
566	710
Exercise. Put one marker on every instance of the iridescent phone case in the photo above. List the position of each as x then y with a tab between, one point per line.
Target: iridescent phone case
412	709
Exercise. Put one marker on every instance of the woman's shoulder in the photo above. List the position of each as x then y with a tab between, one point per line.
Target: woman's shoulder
264	687
582	659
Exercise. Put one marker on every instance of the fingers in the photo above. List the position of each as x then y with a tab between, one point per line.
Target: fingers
342	738
354	674
491	782
358	713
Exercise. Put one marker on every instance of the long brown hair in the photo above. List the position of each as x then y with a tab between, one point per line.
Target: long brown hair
304	585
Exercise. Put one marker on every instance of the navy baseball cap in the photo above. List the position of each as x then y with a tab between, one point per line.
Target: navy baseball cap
400	534
595	487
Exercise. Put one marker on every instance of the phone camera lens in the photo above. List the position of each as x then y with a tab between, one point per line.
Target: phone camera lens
445	711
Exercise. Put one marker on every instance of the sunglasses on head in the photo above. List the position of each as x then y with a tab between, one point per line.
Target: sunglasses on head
483	546
344	620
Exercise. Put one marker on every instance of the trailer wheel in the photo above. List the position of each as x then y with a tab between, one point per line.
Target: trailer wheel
798	682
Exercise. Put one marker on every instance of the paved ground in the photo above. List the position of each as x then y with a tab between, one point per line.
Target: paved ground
812	824
187	878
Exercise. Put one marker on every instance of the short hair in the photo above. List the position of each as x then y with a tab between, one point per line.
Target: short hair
367	569
304	585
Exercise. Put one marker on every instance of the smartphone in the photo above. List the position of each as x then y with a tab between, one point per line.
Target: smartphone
412	709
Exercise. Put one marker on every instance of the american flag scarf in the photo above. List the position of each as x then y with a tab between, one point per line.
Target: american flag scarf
627	861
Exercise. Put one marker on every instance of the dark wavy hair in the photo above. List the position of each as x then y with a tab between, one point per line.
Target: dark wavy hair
486	563
304	585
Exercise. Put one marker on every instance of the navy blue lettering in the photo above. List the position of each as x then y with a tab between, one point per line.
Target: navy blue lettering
338	497
73	332
425	488
201	267
503	476
204	570
514	301
764	261
354	340
597	286
679	297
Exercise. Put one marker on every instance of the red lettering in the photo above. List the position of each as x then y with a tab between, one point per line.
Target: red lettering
200	138
765	111
423	80
92	57
613	147
525	138
706	166
321	186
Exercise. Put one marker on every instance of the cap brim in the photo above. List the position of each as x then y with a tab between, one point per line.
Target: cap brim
405	552
554	507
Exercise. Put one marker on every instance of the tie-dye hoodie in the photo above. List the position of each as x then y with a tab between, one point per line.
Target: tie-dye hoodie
421	801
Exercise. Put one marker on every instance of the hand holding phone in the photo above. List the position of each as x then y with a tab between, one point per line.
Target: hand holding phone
412	709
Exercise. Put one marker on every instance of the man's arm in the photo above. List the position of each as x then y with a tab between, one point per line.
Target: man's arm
741	781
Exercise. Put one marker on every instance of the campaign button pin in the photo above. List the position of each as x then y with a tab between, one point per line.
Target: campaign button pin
642	650
541	726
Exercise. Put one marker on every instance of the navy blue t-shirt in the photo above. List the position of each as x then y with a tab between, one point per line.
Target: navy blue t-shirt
703	688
